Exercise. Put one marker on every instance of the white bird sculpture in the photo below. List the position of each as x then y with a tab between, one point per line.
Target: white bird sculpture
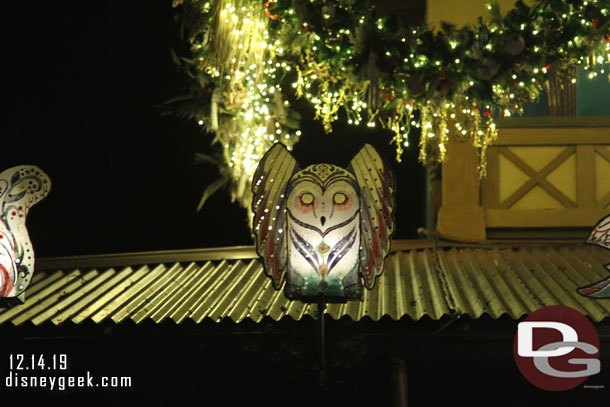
324	229
20	188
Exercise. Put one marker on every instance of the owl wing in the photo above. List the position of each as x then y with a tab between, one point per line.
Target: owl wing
600	235
269	207
376	211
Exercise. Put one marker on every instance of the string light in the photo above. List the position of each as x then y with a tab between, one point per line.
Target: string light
247	65
246	61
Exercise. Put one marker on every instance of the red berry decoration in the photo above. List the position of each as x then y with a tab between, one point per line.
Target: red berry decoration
389	96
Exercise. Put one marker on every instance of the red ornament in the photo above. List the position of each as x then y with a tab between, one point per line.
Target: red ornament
268	5
595	23
389	96
487	113
607	39
547	66
306	28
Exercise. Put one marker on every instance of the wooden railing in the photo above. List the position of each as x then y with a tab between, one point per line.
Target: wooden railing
542	173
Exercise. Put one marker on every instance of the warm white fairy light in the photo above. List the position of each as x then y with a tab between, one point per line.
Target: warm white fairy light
251	70
245	60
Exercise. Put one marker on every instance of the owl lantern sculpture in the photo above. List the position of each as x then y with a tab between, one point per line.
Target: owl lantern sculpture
20	188
324	229
599	236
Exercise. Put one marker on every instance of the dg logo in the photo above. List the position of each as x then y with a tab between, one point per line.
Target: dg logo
556	348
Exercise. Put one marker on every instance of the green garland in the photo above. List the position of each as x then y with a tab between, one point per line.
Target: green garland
416	63
495	67
347	55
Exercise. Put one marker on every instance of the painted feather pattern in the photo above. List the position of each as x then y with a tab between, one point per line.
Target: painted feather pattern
341	249
305	249
599	236
377	196
269	205
20	188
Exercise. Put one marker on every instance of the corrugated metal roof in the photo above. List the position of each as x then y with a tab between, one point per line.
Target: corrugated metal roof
473	280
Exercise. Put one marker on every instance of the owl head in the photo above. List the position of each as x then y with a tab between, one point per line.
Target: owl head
323	196
327	228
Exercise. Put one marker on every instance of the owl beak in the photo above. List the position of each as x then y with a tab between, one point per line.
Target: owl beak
322	220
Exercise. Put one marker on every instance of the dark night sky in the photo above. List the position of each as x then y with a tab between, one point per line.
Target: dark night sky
80	89
80	84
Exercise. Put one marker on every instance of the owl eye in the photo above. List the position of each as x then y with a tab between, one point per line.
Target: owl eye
307	198
339	198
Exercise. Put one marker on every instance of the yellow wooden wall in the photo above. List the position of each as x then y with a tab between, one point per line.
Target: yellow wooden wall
462	12
548	176
545	176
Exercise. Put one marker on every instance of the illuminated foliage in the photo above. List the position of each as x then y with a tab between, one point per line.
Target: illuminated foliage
344	54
